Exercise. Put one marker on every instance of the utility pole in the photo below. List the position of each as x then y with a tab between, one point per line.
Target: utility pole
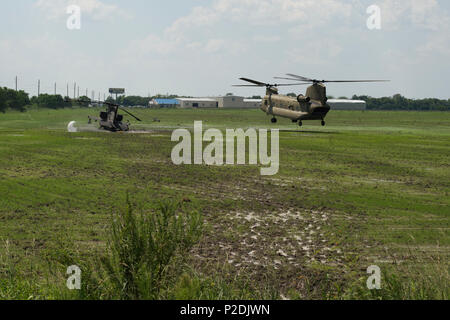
74	90
55	88
78	93
16	83
39	88
87	93
67	95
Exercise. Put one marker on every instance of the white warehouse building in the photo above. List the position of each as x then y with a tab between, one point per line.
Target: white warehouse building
228	102
237	102
198	103
339	104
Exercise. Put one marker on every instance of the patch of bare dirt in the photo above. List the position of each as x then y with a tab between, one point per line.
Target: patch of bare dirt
272	240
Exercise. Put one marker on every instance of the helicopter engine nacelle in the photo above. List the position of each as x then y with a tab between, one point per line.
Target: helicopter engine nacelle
302	99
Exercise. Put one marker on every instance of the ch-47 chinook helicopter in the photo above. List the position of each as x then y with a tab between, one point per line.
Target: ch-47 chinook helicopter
312	106
111	120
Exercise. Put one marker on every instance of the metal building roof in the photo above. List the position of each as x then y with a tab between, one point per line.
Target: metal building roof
197	99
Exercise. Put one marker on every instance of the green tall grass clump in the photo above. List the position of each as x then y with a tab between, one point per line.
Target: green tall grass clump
421	281
144	249
12	284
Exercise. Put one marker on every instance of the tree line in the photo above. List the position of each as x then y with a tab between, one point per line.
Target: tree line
20	101
11	99
398	102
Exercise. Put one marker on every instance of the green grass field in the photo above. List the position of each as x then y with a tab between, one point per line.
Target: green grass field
370	188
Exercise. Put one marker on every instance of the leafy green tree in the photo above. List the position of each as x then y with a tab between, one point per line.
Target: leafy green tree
398	102
2	101
50	101
134	101
111	99
11	99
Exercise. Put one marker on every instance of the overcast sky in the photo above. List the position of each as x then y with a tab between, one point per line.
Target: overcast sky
201	48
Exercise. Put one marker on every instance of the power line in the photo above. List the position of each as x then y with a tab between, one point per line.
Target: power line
53	87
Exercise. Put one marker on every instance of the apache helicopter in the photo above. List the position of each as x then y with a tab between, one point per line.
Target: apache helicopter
313	106
110	119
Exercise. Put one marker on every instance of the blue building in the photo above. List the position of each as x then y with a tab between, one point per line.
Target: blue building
164	103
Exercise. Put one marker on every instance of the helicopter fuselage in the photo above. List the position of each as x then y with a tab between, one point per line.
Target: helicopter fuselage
111	120
313	106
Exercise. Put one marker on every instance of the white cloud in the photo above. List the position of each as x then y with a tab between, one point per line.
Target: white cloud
95	9
438	43
317	52
154	44
264	12
266	38
182	33
214	45
423	14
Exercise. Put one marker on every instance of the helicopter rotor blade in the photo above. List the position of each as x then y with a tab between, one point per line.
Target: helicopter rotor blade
299	77
247	85
258	83
353	81
296	78
268	85
290	84
291	79
130	114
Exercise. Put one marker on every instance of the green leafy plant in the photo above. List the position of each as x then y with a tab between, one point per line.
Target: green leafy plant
143	247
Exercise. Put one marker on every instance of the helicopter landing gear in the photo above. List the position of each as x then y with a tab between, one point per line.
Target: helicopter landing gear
274	120
300	124
323	123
